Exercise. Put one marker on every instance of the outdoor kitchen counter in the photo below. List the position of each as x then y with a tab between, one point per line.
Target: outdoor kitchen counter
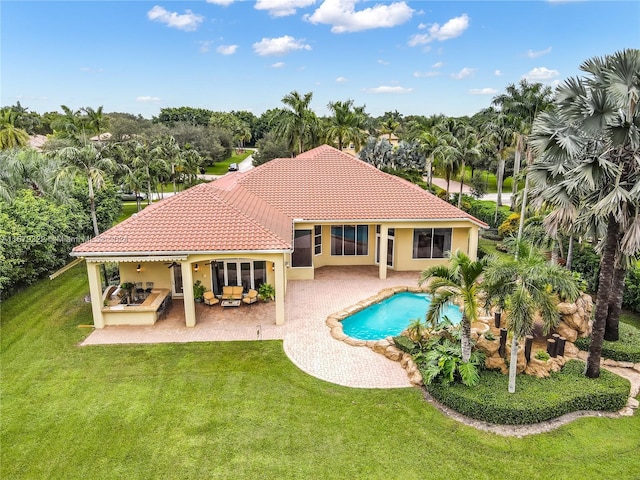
145	313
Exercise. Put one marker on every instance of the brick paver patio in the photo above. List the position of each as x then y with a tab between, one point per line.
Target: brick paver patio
305	336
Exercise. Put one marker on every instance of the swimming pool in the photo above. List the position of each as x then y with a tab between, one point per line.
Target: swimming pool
391	316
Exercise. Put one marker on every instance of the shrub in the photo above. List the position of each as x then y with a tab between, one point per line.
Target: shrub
536	399
405	344
542	355
631	298
485	210
479	185
626	349
266	292
510	225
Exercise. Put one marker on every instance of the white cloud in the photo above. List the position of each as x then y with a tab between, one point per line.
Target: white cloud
452	29
282	8
539	53
227	49
343	17
498	73
388	89
422	26
277	65
482	91
383	62
222	3
205	46
148	99
426	74
541	73
437	65
188	21
341	80
464	73
279	46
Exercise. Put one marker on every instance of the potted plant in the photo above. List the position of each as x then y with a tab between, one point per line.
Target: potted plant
266	292
198	291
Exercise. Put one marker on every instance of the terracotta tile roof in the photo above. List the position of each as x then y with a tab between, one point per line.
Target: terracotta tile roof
203	218
254	210
326	184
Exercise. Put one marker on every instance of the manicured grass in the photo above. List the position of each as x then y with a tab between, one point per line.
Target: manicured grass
492	182
241	410
631	318
128	209
220	168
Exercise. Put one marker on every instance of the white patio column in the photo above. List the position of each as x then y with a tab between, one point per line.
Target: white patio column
473	243
95	291
280	290
187	290
384	241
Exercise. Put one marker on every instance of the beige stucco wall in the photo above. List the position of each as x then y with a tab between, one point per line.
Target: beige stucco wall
156	272
403	247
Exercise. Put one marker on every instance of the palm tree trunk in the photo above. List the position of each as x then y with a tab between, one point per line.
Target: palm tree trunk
499	181
516	171
602	302
92	204
513	364
525	194
569	253
611	333
466	339
461	185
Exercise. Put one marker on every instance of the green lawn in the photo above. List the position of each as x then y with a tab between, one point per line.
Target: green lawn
220	168
241	410
492	182
128	209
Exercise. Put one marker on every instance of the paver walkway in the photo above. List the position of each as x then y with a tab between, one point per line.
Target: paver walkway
305	336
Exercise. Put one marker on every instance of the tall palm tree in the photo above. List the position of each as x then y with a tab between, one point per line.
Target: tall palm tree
90	162
468	150
429	142
525	284
500	133
297	123
95	120
389	127
347	124
589	145
523	101
10	135
27	168
457	282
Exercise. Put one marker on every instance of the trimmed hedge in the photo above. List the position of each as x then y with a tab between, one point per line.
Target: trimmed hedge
626	349
535	399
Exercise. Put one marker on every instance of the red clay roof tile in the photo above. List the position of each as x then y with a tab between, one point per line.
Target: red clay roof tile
254	210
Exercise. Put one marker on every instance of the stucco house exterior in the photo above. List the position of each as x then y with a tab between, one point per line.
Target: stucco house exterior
277	222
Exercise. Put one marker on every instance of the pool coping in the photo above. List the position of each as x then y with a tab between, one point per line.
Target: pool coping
385	346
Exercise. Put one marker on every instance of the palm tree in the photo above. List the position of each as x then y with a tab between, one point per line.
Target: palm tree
500	133
468	150
523	285
594	139
95	120
90	162
10	135
27	168
456	283
297	123
429	142
389	127
346	125
523	101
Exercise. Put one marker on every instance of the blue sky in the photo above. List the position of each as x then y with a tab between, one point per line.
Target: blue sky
419	58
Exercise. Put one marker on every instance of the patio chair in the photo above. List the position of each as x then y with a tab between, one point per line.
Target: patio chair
251	297
149	288
139	290
210	298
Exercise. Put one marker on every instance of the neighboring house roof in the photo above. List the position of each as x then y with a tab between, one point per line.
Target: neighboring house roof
255	210
37	141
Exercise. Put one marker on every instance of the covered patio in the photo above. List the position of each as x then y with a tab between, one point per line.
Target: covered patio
306	339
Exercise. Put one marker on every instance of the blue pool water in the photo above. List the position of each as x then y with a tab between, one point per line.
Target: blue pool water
392	315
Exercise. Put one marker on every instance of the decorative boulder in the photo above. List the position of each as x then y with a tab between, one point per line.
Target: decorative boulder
566	331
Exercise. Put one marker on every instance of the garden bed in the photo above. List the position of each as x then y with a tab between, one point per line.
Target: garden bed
535	399
626	349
